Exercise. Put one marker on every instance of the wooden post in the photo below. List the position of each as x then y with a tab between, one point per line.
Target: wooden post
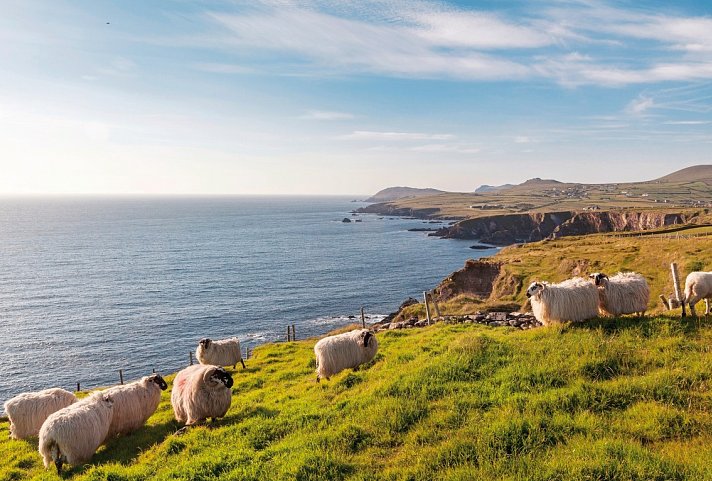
289	333
435	305
427	307
121	376
153	370
363	319
79	387
294	333
676	284
190	356
664	300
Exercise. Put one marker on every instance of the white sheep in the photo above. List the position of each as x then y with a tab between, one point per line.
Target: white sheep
223	352
343	351
73	434
572	300
624	293
134	403
27	411
200	392
698	286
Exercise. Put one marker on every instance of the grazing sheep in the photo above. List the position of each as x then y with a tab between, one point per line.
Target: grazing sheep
72	435
134	403
224	352
200	392
343	351
698	286
27	411
624	293
572	300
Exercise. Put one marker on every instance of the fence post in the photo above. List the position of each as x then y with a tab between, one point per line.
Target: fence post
427	307
363	319
294	333
79	388
190	356
435	305
121	376
289	333
676	284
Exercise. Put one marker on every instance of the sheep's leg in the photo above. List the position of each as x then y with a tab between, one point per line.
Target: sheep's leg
707	307
243	364
58	463
692	308
318	379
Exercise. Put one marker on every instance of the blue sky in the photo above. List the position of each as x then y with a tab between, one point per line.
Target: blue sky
317	97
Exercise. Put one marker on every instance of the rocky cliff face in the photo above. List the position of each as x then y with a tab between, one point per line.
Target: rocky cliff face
515	228
390	209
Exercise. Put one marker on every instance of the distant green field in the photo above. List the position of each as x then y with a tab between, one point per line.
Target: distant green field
607	400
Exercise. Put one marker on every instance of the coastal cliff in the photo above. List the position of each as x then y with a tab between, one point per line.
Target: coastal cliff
516	228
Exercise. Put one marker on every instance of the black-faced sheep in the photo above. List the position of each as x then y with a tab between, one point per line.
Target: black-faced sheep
27	411
134	403
572	300
224	352
343	351
624	293
200	392
698	286
73	434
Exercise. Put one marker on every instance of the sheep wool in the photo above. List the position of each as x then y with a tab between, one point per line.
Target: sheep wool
27	411
72	435
134	403
698	286
223	352
200	392
572	300
624	293
344	351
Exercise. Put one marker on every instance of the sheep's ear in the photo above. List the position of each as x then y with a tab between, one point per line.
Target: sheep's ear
367	338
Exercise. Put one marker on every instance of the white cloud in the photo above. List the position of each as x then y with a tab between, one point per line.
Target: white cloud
446	148
395	136
640	105
325	115
687	122
522	139
225	68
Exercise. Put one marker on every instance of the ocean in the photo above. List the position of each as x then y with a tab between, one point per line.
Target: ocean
91	285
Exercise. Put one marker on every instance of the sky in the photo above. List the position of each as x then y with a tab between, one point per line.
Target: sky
348	97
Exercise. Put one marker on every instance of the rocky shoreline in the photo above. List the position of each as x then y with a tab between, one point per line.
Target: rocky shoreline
519	320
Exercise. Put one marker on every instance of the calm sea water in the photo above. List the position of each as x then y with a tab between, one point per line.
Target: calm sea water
89	286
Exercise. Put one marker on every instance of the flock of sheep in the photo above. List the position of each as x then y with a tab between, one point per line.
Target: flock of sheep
70	430
579	299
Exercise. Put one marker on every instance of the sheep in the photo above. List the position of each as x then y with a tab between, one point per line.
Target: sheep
624	293
200	392
134	403
73	434
698	286
572	300
27	411
224	352
343	351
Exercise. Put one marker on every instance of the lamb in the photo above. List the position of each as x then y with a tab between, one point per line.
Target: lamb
200	392
134	403
572	300
698	286
73	434
343	351
224	352
27	411
624	293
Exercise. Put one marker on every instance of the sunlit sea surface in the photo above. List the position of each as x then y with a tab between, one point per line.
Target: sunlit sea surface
92	285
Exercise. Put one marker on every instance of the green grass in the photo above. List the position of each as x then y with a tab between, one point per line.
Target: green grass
608	400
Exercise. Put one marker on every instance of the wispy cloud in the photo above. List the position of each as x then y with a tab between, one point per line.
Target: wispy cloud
325	115
640	105
224	68
394	136
446	148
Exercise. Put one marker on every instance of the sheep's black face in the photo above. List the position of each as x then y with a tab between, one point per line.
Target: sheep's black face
156	378
223	376
205	342
534	289
367	336
598	278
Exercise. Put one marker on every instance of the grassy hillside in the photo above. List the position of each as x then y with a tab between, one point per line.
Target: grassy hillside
607	400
